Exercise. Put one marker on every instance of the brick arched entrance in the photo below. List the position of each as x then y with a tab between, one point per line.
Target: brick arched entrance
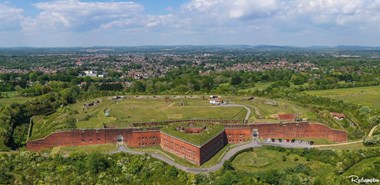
255	134
119	139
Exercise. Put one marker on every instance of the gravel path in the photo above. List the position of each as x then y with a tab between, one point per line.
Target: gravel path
238	105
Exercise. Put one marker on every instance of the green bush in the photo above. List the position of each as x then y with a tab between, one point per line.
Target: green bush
373	140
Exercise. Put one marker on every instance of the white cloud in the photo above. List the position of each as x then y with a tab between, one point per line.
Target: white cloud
10	18
312	12
331	12
75	15
199	21
232	8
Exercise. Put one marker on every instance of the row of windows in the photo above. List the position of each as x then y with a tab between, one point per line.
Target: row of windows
151	137
143	144
98	139
181	154
183	151
232	140
177	145
240	135
235	136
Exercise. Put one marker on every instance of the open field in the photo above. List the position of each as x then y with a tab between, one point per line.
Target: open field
270	112
134	109
361	95
123	112
87	149
258	86
12	97
261	160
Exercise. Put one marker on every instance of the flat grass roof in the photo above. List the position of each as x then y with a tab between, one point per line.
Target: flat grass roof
198	139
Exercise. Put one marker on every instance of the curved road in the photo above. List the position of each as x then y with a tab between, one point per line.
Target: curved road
348	143
238	105
257	112
372	130
229	154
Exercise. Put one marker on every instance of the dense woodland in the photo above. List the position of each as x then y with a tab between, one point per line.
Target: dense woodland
97	168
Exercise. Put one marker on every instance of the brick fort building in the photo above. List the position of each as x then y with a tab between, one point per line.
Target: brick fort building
193	140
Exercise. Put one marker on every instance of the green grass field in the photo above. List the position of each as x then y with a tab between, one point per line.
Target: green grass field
67	150
12	97
124	112
258	86
361	95
261	160
146	108
269	113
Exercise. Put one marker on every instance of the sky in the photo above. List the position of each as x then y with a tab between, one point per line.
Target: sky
67	23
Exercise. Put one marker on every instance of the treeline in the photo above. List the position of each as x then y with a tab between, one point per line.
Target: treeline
122	168
15	117
193	80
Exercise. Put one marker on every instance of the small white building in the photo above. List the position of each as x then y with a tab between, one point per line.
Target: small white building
215	100
90	73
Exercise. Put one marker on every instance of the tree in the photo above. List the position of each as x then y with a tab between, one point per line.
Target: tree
374	120
207	84
137	86
236	80
96	163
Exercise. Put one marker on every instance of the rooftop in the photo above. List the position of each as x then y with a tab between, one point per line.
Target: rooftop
286	116
204	135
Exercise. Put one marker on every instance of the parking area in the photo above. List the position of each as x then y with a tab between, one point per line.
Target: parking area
289	142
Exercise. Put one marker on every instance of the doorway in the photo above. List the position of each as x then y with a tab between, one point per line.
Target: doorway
120	139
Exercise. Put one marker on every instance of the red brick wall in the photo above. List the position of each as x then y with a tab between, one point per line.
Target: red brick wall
180	148
101	136
145	138
296	130
238	135
191	152
149	138
209	149
288	130
69	138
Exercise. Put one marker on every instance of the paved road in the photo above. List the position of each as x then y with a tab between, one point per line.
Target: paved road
238	105
229	154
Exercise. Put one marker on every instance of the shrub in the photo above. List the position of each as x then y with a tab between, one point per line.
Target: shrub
373	140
